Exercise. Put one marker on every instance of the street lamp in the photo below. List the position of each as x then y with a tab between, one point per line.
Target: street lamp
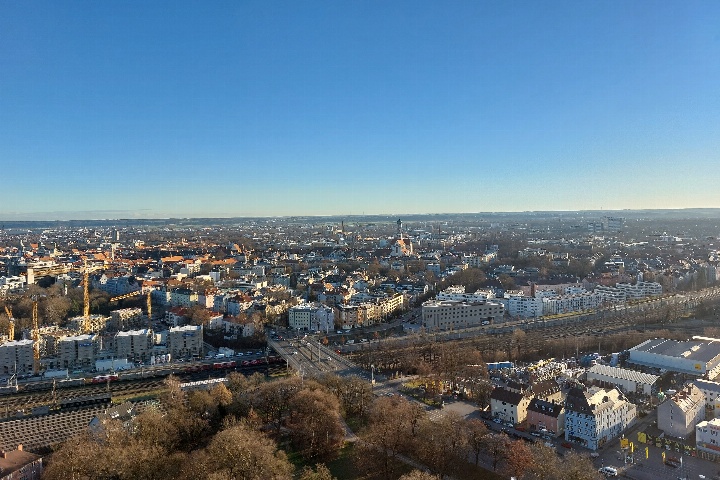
372	376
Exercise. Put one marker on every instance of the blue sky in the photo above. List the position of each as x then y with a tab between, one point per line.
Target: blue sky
156	109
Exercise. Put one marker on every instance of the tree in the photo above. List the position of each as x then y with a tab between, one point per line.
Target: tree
545	464
418	475
475	432
321	472
496	446
442	444
578	467
316	429
392	426
518	459
240	452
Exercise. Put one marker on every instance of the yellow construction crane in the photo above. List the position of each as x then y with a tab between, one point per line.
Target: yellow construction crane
86	296
11	326
134	294
35	336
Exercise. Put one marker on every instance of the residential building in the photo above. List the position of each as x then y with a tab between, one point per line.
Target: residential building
711	392
311	317
596	416
16	357
134	345
20	465
508	405
126	318
550	416
79	351
707	438
525	307
185	342
679	414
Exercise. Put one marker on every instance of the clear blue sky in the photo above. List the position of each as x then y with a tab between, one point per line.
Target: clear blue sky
174	108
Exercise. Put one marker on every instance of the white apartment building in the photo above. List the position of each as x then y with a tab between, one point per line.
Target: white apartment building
134	345
639	290
457	294
707	437
311	317
449	315
525	307
595	416
571	303
610	294
711	392
16	357
185	342
679	414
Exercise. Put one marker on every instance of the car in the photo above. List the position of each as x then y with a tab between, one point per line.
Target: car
609	471
566	444
594	455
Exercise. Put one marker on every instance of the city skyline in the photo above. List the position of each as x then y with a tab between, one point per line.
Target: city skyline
256	109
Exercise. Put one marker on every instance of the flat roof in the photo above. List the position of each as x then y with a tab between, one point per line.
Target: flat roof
698	351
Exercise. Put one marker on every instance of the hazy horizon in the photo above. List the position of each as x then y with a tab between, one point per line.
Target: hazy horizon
259	109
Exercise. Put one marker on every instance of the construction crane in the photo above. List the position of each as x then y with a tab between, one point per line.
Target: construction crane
87	327
134	294
35	336
11	326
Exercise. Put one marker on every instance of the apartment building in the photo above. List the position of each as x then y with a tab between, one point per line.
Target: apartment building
679	414
16	357
126	318
596	416
185	342
449	315
707	438
134	345
508	405
20	465
79	351
311	317
711	392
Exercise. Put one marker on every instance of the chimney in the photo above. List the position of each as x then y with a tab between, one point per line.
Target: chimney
20	447
3	454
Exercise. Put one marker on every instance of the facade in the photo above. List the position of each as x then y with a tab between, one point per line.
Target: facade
16	357
134	345
679	414
449	315
595	416
311	317
509	406
525	307
126	318
457	294
96	322
20	465
550	416
577	302
711	392
707	437
185	342
626	380
699	356
78	351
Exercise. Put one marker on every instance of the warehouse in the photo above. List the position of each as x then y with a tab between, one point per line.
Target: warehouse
699	356
627	380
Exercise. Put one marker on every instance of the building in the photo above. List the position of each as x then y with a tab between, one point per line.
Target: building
185	342
707	438
78	351
550	416
596	416
16	357
96	323
134	345
450	315
699	356
628	381
508	405
522	306
126	318
679	414
20	465
711	392
311	317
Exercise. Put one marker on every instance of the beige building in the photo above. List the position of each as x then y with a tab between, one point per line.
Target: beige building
451	315
185	342
78	351
679	414
20	465
707	438
509	406
16	356
97	323
126	319
135	345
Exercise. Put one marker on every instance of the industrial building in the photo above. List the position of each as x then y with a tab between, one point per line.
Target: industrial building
627	380
699	356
